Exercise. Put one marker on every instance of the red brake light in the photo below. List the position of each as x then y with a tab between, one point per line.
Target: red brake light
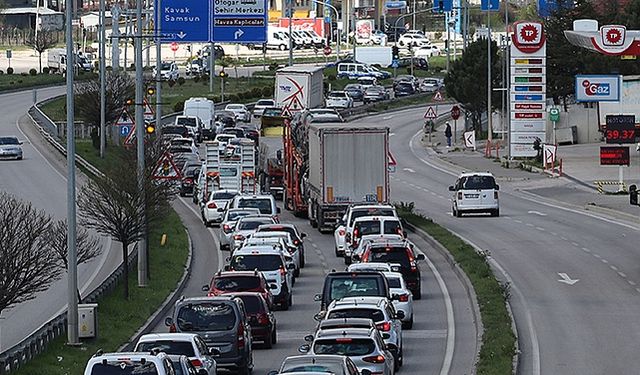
188	180
238	237
412	260
296	242
344	340
341	232
226	228
356	233
263	318
386	326
283	271
196	362
240	335
172	328
374	359
212	205
404	298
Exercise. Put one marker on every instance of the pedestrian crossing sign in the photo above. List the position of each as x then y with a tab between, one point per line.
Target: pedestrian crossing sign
430	114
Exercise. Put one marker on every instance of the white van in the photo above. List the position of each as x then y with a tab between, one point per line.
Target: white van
475	192
277	39
355	70
204	109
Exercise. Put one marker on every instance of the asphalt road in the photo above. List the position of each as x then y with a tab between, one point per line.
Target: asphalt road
40	179
443	340
585	323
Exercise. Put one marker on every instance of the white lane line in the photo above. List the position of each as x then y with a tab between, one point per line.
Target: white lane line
40	153
613	267
622	274
529	225
536	213
518	221
553	233
211	233
597	256
586	250
432	193
575	244
632	283
564	238
451	327
604	261
540	229
409	170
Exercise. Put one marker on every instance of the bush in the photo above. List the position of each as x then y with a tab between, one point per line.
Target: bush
171	82
273	66
331	77
19	81
9	70
196	78
256	92
267	91
216	99
95	137
234	98
108	68
45	70
180	81
179	106
33	72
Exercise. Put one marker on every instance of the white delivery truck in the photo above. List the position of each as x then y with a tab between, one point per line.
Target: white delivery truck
277	38
204	109
57	61
229	166
299	88
374	55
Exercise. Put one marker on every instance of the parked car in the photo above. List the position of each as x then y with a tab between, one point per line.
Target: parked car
375	94
355	91
429	85
413	39
228	224
221	322
426	51
260	106
168	71
338	99
10	147
367	82
195	67
188	344
230	282
240	110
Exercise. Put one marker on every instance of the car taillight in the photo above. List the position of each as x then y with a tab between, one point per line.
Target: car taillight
263	318
212	205
404	298
226	228
374	359
172	328
238	237
386	326
283	271
240	336
296	242
188	180
196	362
276	219
459	195
412	260
495	195
365	257
341	232
356	233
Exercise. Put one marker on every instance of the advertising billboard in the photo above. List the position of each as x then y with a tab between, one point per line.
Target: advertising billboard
597	88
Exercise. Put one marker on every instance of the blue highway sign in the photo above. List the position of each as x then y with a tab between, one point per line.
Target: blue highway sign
490	5
183	20
239	21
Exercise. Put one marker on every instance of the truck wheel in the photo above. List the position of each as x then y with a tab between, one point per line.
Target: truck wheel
312	216
320	219
282	47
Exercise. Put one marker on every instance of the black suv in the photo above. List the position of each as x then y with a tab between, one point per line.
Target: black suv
338	285
221	321
399	252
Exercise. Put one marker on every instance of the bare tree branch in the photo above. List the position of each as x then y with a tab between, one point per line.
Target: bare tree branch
41	42
87	246
27	264
119	88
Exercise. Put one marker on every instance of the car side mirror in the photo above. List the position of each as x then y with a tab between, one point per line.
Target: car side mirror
304	348
356	257
404	234
203	371
386	336
317	297
205	288
291	266
497	187
451	188
400	314
168	321
308	338
303	235
319	316
214	351
272	286
420	257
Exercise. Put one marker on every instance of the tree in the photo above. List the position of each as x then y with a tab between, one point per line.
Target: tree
41	41
114	206
87	246
27	264
467	79
119	88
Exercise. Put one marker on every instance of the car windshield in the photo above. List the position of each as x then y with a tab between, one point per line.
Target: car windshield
166	66
9	141
235	215
236	283
167	346
356	213
374	314
272	112
344	346
394	282
187	121
206	316
181	130
232	107
353	287
390	255
352	87
261	262
263	204
252	224
290	230
478	182
374	90
124	367
368	227
252	304
222	195
264	102
322	368
337	95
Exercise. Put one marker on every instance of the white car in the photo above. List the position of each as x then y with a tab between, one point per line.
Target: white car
291	248
356	252
188	344
368	267
129	363
379	37
403	300
415	40
353	212
426	51
168	71
247	226
184	142
338	99
228	224
261	105
367	82
475	192
240	111
213	209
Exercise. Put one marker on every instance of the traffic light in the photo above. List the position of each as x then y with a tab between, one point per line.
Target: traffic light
395	51
150	128
151	91
223	74
633	195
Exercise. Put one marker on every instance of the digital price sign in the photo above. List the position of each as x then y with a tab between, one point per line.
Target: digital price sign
620	129
614	155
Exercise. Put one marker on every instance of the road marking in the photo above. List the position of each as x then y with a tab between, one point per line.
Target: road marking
518	221
597	256
451	327
632	283
553	233
586	250
529	225
566	279
540	229
536	213
409	170
613	267
387	117
622	274
564	238
575	244
604	261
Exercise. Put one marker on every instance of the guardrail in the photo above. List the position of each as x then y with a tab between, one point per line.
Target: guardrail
21	353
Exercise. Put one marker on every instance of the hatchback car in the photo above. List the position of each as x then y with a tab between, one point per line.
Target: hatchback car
188	344
189	174
403	89
150	363
240	111
475	192
168	71
261	318
297	236
324	364
221	322
10	147
325	115
429	85
356	253
363	346
182	366
213	209
266	203
403	298
228	224
338	99
373	225
375	94
260	106
397	252
290	247
353	212
225	282
355	91
338	285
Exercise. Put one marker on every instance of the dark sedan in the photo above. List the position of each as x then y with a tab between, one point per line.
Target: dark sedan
404	89
375	94
355	91
189	175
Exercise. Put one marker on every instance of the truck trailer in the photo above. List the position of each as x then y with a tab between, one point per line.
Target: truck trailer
229	166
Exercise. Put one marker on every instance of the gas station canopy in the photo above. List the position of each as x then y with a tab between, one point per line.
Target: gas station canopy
611	40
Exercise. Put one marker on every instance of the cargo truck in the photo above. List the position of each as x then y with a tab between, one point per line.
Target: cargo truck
299	88
228	166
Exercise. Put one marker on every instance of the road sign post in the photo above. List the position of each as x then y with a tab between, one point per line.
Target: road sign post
455	115
242	22
183	21
554	117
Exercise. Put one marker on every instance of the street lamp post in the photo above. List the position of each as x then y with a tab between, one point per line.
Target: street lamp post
339	34
290	11
103	57
489	90
143	277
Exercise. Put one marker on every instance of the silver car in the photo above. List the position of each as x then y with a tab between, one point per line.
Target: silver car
323	364
364	346
10	147
228	224
404	298
246	226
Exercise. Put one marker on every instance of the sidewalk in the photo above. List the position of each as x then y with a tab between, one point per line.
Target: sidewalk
581	167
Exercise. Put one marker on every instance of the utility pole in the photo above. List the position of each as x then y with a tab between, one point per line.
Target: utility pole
489	89
115	37
158	66
72	287
290	11
143	276
507	75
103	57
212	65
446	25
355	25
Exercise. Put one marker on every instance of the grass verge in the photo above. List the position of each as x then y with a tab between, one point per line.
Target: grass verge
403	102
118	319
21	81
498	340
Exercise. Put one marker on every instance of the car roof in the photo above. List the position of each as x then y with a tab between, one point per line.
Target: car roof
257	250
314	358
252	196
467	174
220	298
167	336
362	301
370	266
129	355
345	321
345	332
393	274
273	233
237	274
282	225
376	218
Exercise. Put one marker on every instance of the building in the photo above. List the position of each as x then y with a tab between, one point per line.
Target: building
25	18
